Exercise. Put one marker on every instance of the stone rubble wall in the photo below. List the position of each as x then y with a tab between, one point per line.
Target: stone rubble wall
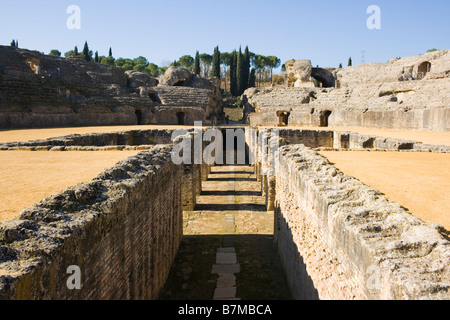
340	239
122	230
399	94
37	90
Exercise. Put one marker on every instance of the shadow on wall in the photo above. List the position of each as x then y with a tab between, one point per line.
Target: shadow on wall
300	283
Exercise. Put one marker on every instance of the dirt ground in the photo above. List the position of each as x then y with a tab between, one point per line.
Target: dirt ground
427	137
28	177
35	134
418	181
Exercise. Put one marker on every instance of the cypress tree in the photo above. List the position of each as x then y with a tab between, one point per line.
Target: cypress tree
216	63
240	73
246	72
350	62
233	63
252	79
197	63
75	51
110	52
340	65
96	57
13	43
86	54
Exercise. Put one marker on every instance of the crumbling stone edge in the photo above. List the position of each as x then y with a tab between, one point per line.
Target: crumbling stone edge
38	235
359	230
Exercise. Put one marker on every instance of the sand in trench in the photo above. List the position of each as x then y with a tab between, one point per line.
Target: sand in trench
28	177
418	181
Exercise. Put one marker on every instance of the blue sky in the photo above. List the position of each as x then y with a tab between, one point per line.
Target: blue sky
326	32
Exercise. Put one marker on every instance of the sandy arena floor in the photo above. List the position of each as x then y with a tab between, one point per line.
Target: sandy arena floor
28	177
418	181
428	137
37	134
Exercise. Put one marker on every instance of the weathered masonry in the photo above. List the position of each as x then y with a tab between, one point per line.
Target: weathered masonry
337	238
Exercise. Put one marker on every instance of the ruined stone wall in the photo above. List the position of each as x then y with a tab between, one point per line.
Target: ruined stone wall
37	90
122	230
410	93
339	239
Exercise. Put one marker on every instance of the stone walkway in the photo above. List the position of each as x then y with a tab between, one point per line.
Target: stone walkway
228	250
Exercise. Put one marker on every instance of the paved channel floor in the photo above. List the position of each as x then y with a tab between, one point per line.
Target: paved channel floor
228	250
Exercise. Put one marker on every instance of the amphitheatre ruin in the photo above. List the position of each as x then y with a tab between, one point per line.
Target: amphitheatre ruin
356	207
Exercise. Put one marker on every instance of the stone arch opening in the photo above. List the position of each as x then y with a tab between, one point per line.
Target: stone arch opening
180	83
139	117
181	118
283	118
423	69
325	118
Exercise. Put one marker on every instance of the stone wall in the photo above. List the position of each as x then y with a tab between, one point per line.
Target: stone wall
399	94
37	90
122	230
339	239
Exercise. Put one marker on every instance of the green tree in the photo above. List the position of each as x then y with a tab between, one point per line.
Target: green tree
55	53
260	64
96	59
246	69
13	43
225	60
252	79
153	70
240	73
350	63
70	53
233	79
206	61
140	63
216	63
87	54
75	51
340	65
272	62
108	61
197	64
186	61
433	50
110	52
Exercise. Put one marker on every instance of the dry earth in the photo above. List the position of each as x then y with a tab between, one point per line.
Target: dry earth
28	177
37	134
418	181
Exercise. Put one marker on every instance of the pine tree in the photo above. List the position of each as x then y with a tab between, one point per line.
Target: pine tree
197	63
350	62
216	63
